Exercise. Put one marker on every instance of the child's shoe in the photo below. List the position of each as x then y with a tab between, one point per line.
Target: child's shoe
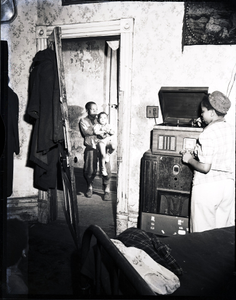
104	171
107	159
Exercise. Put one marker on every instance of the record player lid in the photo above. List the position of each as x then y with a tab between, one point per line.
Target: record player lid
181	105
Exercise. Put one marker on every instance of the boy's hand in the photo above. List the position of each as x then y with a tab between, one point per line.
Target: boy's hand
199	122
186	157
195	151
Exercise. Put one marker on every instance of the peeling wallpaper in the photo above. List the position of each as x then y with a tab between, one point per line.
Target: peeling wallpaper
158	60
84	63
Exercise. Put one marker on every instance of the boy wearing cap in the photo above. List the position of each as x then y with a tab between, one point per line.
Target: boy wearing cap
212	200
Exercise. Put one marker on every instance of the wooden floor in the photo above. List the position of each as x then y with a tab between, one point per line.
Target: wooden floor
51	268
52	265
93	210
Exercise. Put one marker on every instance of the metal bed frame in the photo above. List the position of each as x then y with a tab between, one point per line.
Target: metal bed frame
118	264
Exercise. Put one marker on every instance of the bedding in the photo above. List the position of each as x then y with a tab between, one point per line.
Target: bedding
206	260
160	279
104	270
152	245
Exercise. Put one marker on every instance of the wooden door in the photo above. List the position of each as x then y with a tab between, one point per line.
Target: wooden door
66	159
112	93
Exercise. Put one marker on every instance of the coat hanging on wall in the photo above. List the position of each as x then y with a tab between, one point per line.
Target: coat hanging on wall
209	23
44	108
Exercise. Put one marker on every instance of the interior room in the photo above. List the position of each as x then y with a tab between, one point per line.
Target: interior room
146	64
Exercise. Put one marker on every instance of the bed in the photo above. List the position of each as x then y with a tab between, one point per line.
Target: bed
207	261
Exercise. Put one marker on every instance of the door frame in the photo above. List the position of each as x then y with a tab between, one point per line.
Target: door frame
124	29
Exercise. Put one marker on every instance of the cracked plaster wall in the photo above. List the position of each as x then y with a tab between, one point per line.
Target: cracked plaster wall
84	63
158	61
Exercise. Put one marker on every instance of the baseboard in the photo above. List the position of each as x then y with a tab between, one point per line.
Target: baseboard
25	208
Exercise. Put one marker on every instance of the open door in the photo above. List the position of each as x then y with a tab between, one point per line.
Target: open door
66	164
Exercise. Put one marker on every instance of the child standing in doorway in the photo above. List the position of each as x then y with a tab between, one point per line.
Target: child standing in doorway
212	200
105	142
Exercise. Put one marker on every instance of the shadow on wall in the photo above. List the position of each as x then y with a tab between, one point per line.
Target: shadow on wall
75	112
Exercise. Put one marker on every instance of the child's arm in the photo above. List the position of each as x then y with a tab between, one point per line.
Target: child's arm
86	128
109	130
96	129
198	166
100	133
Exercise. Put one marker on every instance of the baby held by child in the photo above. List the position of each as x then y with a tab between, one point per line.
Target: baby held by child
104	141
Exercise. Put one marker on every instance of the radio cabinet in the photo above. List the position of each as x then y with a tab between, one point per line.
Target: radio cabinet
165	185
165	194
164	176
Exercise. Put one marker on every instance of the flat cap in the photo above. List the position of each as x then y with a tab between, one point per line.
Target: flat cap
219	102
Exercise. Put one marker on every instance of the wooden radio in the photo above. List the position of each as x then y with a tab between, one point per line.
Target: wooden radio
165	181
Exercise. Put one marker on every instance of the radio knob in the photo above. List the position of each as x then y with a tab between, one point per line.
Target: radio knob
176	169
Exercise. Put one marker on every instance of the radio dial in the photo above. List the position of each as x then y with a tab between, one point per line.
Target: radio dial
176	169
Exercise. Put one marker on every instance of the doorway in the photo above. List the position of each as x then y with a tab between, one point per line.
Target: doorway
123	29
91	74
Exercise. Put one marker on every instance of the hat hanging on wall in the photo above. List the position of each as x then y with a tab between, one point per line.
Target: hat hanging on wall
8	11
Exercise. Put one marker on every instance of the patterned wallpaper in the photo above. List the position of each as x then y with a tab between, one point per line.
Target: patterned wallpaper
158	60
20	35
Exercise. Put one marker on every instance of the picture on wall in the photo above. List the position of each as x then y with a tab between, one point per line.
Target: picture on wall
209	23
